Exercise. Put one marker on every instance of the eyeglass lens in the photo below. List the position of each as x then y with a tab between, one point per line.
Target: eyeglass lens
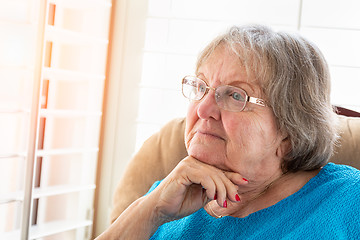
227	97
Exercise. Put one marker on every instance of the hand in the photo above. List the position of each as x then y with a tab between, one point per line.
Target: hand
190	186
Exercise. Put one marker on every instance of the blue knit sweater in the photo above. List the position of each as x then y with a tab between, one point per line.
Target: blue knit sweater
327	207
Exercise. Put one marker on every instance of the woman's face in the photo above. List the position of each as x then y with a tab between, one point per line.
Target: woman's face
246	142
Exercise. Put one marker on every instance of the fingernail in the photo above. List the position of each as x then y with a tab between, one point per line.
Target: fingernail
245	180
225	204
237	197
215	196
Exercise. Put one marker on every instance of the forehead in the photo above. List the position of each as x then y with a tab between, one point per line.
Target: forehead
223	66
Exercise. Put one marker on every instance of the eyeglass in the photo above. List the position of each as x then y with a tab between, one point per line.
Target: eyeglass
227	97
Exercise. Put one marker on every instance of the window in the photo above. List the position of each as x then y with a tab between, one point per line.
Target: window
52	74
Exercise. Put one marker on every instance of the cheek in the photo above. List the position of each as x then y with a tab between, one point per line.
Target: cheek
251	146
238	129
249	137
191	119
251	128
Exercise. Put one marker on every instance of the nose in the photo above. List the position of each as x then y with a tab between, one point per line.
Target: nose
207	107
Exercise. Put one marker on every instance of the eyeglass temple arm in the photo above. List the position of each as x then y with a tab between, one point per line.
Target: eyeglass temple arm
257	101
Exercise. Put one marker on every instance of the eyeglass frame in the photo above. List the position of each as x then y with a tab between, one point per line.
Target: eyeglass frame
257	101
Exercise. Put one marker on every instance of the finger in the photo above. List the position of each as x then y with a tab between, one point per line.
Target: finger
206	198
219	187
216	184
231	189
210	187
214	180
204	177
236	178
221	191
200	173
225	189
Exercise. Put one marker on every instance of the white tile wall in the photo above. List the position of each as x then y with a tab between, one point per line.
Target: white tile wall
190	36
331	13
159	106
273	12
340	46
345	86
159	8
165	71
240	11
177	67
153	73
156	33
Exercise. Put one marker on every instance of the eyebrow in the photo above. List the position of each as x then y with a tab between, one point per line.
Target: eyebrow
239	83
235	83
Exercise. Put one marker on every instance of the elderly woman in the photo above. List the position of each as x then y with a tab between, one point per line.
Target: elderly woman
259	132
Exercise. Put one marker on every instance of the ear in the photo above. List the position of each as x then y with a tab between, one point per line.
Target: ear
284	147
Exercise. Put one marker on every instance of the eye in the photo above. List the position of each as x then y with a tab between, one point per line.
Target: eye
201	88
237	96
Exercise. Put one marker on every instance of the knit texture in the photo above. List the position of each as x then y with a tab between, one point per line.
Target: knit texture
327	207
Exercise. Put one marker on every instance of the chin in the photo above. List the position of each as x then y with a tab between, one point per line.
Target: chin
206	155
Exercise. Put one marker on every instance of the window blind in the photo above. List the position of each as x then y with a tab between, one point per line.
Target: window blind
52	76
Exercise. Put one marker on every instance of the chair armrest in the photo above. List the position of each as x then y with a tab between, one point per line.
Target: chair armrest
348	150
154	161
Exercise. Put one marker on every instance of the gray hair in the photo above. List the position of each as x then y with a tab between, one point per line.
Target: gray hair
295	80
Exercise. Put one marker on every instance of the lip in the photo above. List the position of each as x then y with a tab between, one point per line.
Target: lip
210	134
